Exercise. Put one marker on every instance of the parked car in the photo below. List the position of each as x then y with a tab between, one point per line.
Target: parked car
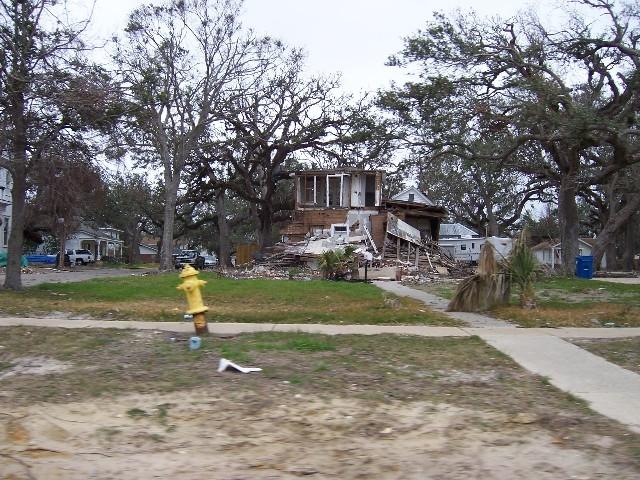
190	257
210	261
80	256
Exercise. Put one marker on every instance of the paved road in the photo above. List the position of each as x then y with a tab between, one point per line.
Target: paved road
74	274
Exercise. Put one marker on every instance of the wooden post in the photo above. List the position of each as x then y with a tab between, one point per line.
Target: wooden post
384	246
417	257
397	249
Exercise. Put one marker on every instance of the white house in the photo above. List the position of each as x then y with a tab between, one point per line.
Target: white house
460	242
102	242
5	209
465	245
550	252
414	195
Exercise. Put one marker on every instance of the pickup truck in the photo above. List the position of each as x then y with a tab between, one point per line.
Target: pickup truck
80	256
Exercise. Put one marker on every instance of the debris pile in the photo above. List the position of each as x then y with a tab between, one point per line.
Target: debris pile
263	270
300	260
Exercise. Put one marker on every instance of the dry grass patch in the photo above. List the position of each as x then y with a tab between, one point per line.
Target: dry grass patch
567	302
598	315
624	352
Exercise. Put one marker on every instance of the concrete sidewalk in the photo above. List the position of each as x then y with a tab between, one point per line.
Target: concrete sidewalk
440	305
238	328
610	390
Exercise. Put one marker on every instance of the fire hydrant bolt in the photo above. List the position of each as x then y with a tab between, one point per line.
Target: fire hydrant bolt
192	285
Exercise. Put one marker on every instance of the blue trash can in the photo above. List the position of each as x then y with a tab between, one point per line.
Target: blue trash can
584	266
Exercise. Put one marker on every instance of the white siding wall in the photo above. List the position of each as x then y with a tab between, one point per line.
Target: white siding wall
5	209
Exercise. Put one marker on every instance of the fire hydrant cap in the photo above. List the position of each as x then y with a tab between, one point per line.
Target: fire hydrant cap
188	271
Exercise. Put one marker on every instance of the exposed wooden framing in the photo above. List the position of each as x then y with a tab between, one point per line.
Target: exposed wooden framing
418	256
397	248
384	245
429	259
368	236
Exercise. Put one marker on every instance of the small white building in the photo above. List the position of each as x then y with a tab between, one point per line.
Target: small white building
460	242
413	195
464	244
5	209
550	252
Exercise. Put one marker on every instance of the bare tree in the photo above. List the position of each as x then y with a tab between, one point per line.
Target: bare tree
512	77
67	187
180	64
47	93
282	114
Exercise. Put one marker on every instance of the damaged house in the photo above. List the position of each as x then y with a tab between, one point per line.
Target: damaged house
339	206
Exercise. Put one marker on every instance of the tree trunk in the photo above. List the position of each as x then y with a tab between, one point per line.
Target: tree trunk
491	227
134	244
17	87
13	280
224	248
169	217
631	230
611	253
61	244
265	225
493	230
615	222
265	213
568	219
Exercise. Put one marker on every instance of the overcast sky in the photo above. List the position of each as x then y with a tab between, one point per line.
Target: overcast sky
353	37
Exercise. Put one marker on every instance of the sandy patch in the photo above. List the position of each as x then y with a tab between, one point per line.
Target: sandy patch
34	366
220	435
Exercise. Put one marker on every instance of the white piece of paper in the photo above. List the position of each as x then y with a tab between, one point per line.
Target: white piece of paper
228	364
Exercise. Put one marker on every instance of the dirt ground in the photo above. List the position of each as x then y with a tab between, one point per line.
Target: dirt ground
40	275
77	404
273	435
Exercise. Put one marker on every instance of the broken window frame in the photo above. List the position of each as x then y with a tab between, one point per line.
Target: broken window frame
341	193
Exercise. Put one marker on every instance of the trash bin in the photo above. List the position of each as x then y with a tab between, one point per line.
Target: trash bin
584	266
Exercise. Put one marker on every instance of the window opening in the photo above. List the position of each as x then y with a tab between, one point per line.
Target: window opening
335	191
308	189
370	191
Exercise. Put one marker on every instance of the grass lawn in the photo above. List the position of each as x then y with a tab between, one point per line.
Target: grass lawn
624	352
576	302
155	297
463	372
567	302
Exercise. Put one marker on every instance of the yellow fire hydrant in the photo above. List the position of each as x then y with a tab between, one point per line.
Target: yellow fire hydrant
191	285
